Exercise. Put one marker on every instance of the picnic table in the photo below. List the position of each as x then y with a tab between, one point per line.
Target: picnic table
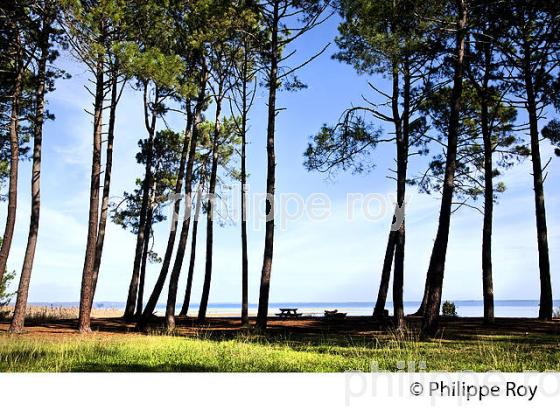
288	313
334	314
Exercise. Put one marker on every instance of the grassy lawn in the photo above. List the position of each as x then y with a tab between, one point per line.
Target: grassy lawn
253	354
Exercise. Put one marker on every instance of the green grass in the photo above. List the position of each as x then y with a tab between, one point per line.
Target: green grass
252	354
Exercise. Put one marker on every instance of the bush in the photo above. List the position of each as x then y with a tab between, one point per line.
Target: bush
5	297
448	309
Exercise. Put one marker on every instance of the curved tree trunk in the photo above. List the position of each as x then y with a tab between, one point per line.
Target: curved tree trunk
210	218
87	275
379	310
144	265
178	264
106	182
14	160
437	261
18	319
190	275
264	292
152	302
158	287
181	248
135	279
422	307
183	237
546	303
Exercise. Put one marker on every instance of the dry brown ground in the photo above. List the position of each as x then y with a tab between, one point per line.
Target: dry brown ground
305	328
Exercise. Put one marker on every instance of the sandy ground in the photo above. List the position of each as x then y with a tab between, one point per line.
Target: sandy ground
305	327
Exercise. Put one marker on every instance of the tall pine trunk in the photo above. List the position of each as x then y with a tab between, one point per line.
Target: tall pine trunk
379	310
402	165
21	303
546	303
395	242
190	275
147	183
264	292
144	316
487	282
436	268
158	287
181	248
398	280
244	250
144	263
179	258
487	285
14	157
183	237
89	260
210	216
422	307
106	181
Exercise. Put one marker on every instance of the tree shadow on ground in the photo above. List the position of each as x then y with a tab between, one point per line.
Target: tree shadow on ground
317	331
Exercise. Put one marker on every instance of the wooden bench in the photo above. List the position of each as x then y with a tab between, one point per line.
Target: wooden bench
288	313
334	314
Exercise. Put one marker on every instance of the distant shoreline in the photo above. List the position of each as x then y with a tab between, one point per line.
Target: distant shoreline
462	302
465	308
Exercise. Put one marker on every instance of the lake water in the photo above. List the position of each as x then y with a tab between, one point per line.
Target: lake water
465	308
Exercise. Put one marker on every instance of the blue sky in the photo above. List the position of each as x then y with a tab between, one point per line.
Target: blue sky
329	260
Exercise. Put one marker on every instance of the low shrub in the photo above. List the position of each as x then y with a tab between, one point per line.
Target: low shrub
448	309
